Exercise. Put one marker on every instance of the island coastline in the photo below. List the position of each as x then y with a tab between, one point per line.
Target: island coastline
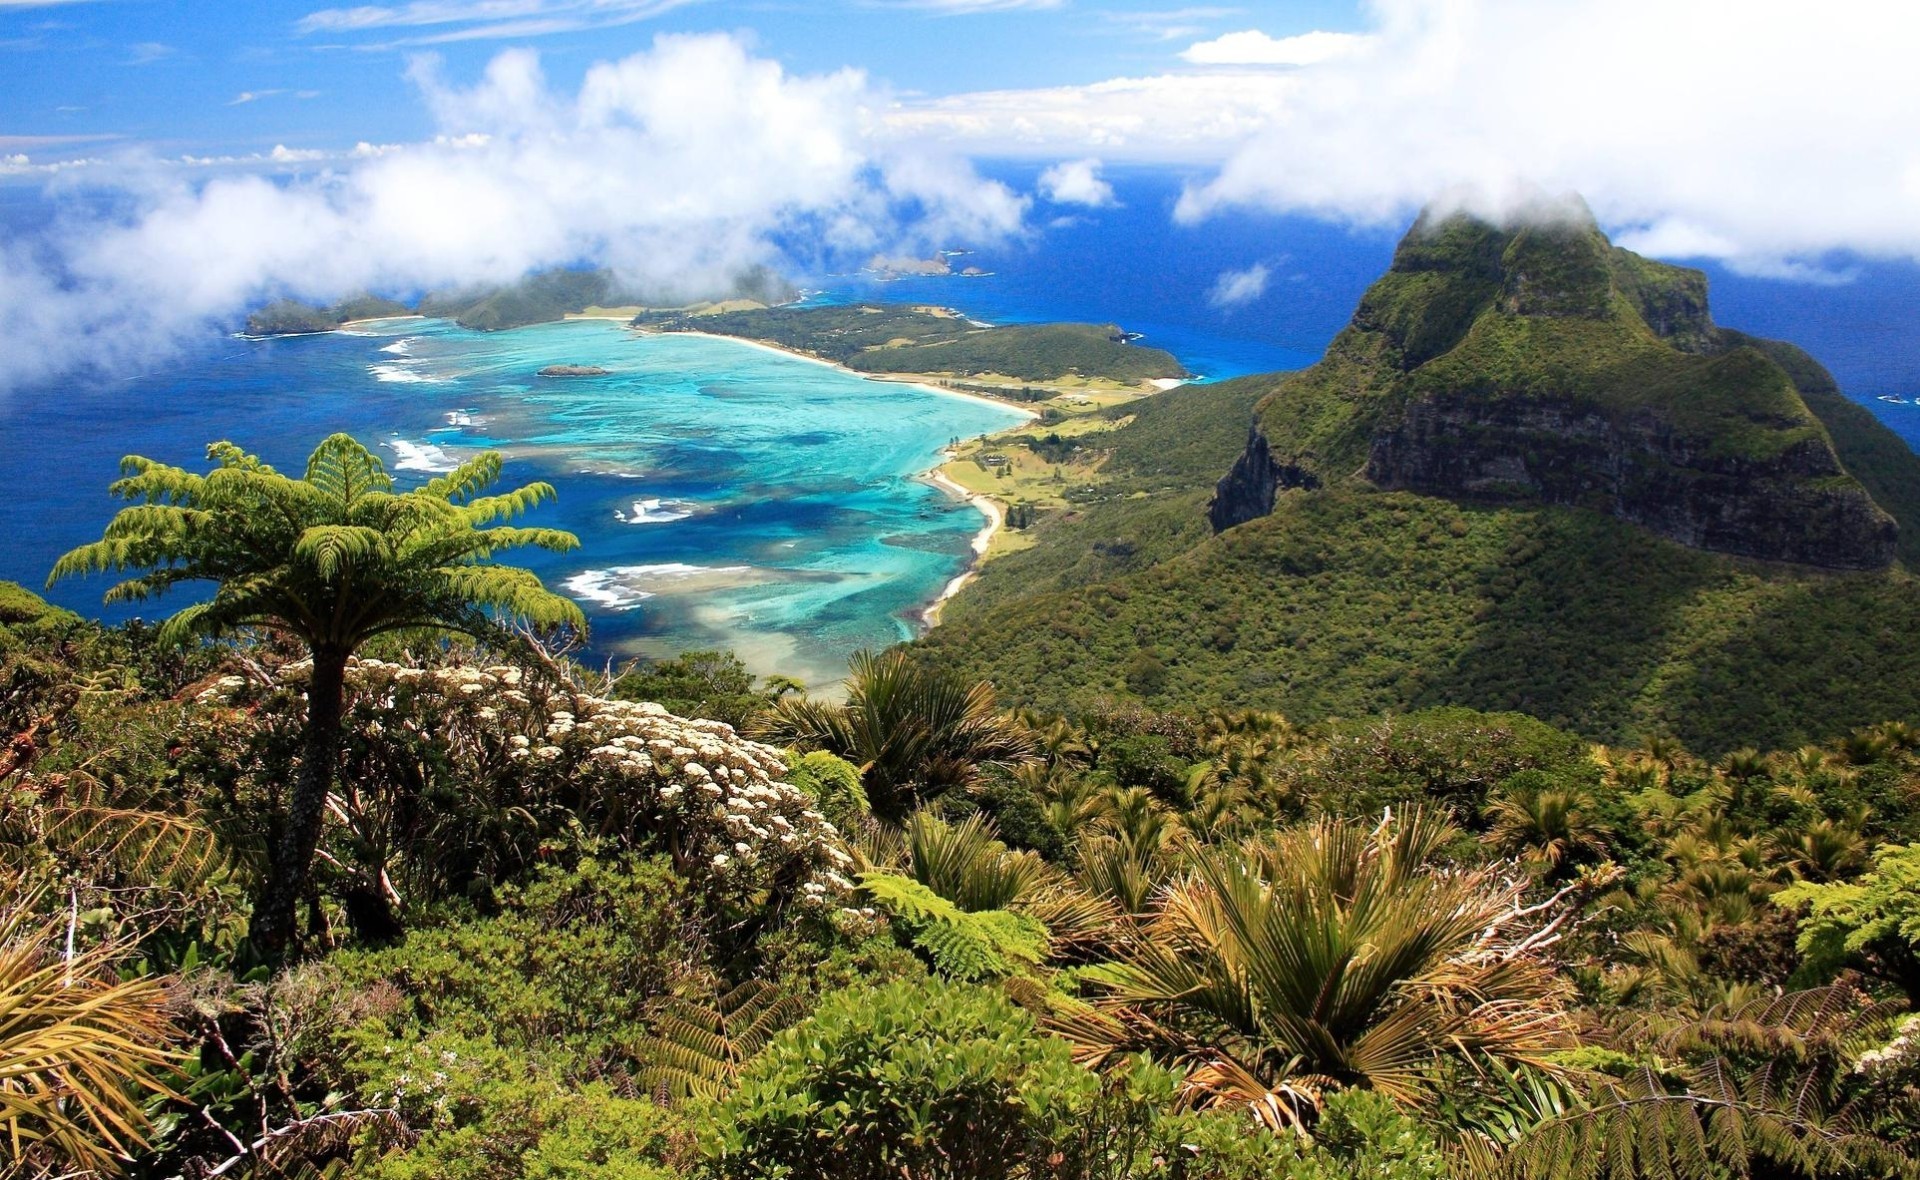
994	511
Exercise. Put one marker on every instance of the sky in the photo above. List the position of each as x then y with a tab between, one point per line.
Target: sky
198	158
229	77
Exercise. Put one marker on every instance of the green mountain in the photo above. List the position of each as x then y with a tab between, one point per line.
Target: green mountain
1537	363
1532	475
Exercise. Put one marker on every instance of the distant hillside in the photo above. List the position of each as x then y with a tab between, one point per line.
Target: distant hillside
537	299
290	317
896	338
555	294
1498	567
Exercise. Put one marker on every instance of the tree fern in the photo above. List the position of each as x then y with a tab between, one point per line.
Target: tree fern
334	558
697	1046
960	944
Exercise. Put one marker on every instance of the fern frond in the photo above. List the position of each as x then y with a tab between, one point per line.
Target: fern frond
698	1046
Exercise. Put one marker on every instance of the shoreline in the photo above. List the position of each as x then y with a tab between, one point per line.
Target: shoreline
922	380
996	516
987	506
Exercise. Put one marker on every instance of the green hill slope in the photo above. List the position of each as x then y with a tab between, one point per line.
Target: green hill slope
1359	580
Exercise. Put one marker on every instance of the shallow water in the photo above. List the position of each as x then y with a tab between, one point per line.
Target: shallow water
724	495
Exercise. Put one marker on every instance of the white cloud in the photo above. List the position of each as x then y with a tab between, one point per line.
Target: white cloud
1235	287
282	154
1172	23
148	52
484	19
1187	117
1076	182
677	167
967	6
1782	134
1254	48
247	96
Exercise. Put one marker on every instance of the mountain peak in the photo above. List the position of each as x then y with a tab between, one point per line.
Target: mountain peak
1527	359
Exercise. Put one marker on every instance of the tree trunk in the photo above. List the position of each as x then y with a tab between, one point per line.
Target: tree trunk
273	918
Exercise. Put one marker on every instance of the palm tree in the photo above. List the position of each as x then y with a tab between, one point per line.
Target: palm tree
1545	824
1331	955
915	732
334	558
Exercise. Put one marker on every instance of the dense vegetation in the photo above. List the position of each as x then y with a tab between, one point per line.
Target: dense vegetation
900	338
932	939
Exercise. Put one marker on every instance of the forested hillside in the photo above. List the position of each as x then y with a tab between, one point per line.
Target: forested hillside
1510	485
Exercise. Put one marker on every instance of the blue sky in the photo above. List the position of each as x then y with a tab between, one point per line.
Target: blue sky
173	75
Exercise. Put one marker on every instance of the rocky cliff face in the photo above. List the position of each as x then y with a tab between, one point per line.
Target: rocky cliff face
1248	490
1536	363
1797	506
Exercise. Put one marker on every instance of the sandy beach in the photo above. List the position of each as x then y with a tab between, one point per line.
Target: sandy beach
921	381
996	517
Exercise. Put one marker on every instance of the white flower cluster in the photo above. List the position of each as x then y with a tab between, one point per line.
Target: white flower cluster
717	800
1898	1058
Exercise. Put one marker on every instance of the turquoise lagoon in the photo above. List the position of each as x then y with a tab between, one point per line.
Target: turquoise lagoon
725	495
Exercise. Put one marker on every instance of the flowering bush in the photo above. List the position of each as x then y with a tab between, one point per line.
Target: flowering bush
458	776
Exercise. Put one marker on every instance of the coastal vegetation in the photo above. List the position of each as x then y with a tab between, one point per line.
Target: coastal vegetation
886	338
539	298
290	317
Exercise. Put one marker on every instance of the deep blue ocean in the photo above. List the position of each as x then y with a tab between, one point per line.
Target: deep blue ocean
729	496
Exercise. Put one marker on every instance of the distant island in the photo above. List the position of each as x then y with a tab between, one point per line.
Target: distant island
908	339
888	268
573	371
289	317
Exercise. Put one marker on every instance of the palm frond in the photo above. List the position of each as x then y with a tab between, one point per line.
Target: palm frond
81	1051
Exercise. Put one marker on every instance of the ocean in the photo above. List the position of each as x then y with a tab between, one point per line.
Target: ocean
728	496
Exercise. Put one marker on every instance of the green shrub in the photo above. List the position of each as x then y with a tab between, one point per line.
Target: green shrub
483	1114
565	974
911	1079
834	785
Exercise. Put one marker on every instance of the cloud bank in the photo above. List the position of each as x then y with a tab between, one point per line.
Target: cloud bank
1254	48
677	167
1776	132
